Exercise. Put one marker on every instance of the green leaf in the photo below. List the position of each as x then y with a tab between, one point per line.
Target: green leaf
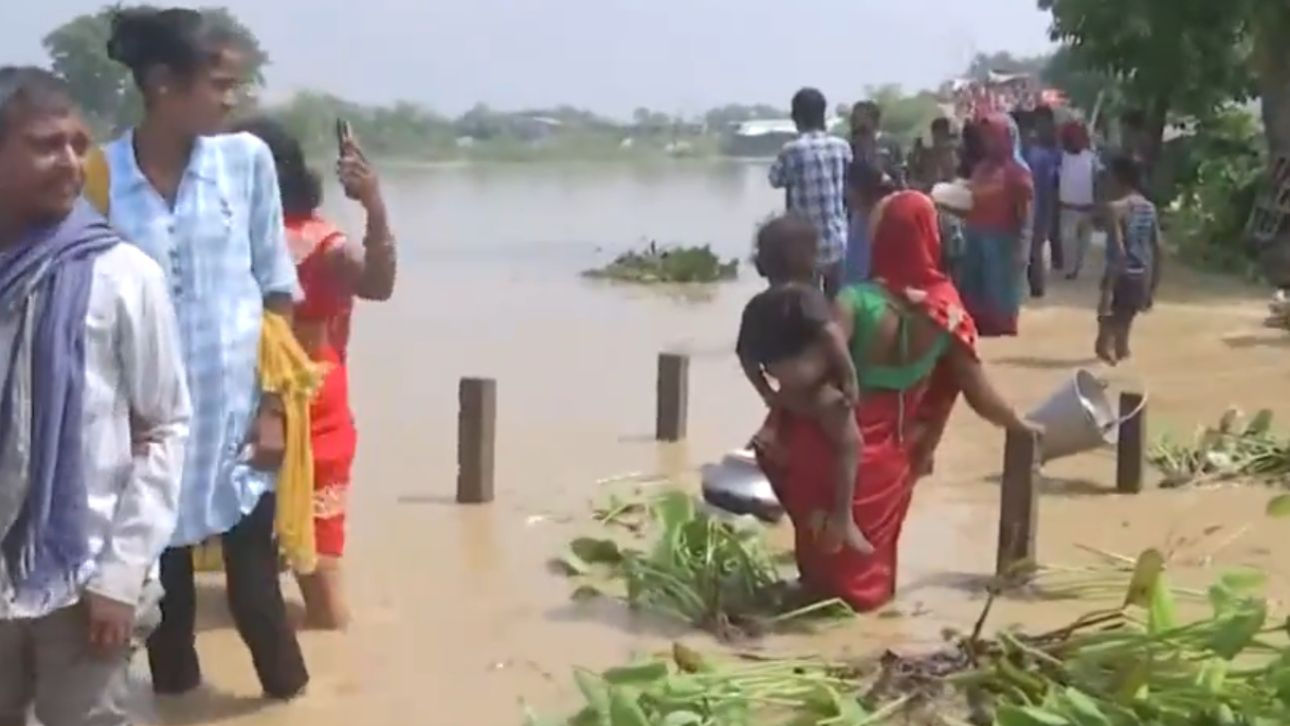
682	718
1161	615
1279	506
1029	716
1260	424
596	551
641	674
586	593
1084	710
1243	580
532	719
1238	629
568	565
673	508
625	708
595	691
1146	572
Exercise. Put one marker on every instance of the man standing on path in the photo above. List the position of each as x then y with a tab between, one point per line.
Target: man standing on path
812	168
93	419
1044	158
871	145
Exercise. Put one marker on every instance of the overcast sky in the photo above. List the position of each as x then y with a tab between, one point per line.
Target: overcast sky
608	55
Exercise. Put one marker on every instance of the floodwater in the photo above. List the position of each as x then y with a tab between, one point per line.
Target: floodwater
458	622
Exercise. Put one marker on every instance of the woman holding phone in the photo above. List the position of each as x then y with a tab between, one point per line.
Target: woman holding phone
332	271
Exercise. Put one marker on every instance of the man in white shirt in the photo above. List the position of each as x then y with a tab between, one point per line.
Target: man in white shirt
93	419
1076	190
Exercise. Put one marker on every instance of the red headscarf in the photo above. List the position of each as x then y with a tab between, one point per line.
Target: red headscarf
1075	135
906	253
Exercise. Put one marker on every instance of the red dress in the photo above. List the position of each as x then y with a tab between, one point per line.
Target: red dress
906	257
328	304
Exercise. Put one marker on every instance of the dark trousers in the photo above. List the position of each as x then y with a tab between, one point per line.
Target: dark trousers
255	599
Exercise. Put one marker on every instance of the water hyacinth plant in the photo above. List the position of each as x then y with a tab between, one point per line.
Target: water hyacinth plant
701	569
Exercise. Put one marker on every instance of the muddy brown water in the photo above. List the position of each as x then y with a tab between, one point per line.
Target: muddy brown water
458	622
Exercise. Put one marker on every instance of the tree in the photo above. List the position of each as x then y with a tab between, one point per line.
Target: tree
104	88
1183	56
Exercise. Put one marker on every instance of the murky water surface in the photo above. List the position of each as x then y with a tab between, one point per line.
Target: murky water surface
458	621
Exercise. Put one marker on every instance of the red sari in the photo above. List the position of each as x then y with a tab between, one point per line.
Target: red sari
906	260
325	312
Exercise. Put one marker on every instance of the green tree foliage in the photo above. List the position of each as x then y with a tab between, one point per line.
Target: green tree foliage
104	88
1183	56
905	118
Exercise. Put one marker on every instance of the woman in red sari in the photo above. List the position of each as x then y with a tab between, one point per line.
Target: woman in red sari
914	350
332	271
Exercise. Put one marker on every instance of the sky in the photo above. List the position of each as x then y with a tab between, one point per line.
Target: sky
611	56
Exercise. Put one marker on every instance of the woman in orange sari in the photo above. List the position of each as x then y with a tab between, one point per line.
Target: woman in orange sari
332	272
914	347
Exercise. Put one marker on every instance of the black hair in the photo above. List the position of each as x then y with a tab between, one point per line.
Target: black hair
31	88
809	108
973	149
771	254
1044	112
781	322
181	40
300	186
1024	119
1127	171
869	107
941	125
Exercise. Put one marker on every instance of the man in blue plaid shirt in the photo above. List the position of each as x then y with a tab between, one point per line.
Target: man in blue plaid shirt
812	168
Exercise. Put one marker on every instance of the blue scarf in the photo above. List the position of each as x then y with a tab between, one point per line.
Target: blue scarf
45	283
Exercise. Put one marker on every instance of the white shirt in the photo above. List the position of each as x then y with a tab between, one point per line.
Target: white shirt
132	366
1076	181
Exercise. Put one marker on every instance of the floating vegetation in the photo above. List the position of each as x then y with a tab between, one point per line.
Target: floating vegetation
1136	665
703	570
655	264
1231	449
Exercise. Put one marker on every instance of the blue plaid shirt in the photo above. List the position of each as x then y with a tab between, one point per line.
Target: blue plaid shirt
222	246
813	167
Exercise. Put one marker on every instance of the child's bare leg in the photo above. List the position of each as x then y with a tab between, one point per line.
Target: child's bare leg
1104	344
1121	326
837	418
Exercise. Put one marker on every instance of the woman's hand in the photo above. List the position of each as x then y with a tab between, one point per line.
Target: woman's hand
357	177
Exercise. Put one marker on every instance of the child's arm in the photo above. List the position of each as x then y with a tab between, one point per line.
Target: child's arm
842	369
757	377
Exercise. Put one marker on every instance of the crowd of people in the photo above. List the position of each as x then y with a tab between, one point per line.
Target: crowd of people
142	285
881	278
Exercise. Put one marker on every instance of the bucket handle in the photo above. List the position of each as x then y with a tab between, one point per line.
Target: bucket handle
1132	414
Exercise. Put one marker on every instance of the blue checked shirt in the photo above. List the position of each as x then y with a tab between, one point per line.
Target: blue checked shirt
813	167
222	247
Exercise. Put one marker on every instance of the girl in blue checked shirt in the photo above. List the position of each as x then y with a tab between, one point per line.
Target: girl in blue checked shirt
206	207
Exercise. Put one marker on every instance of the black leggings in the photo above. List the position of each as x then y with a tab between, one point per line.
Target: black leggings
255	599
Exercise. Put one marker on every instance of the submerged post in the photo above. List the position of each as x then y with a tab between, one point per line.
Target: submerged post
673	396
476	436
1130	455
1017	504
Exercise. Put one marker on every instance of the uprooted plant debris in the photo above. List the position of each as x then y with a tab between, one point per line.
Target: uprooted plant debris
655	264
1231	449
1137	665
703	570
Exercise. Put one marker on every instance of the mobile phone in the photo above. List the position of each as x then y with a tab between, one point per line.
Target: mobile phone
343	134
